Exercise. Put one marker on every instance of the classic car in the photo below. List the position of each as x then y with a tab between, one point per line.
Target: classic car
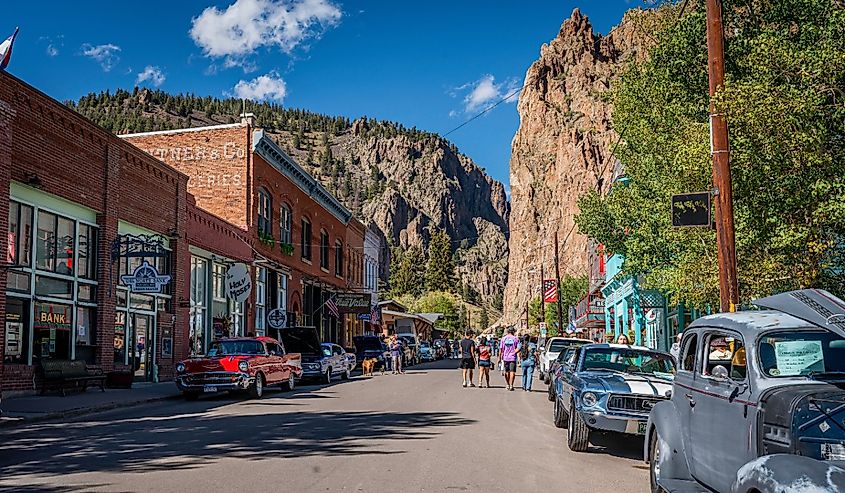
239	364
367	347
319	360
758	401
560	363
610	387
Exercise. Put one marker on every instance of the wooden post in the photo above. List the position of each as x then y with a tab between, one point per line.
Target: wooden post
720	151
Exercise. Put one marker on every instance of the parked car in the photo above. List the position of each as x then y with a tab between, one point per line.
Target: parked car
559	363
610	387
551	350
426	352
758	401
320	361
239	364
371	347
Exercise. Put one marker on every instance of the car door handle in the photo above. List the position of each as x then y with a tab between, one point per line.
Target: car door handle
690	399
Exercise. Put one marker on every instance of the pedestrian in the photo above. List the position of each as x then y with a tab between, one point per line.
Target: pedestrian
396	355
507	350
675	350
484	362
467	358
623	339
526	359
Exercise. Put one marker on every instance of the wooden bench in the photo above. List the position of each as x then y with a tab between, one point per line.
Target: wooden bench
66	374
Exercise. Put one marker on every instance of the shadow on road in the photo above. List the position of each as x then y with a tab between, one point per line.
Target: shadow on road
617	445
167	440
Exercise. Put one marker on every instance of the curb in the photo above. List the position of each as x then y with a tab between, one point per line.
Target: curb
13	422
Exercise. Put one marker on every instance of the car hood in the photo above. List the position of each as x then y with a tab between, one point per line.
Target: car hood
304	340
815	306
623	383
221	363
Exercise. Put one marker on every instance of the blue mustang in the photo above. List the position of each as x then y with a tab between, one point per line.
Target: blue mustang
609	387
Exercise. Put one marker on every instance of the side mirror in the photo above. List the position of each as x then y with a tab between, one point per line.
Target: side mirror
720	373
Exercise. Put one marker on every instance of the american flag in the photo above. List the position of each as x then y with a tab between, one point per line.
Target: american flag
549	290
375	315
332	307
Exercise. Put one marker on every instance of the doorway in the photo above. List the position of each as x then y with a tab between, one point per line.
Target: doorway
143	345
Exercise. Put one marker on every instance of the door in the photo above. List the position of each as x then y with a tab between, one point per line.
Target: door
718	417
143	345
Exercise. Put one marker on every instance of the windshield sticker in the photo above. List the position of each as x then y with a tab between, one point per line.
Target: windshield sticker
798	357
824	426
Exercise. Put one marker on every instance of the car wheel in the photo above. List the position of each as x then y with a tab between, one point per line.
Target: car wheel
290	384
560	415
655	463
256	390
551	392
578	434
327	378
190	396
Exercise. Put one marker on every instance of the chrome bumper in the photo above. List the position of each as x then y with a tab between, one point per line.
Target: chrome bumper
597	419
219	381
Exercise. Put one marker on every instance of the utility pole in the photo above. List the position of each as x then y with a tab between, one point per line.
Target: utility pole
720	151
557	280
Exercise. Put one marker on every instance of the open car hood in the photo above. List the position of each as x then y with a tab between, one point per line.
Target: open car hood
815	306
304	340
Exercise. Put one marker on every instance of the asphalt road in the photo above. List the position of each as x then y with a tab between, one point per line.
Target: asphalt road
415	432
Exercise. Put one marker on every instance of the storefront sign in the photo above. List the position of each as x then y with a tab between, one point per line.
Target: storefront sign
364	316
353	302
145	279
238	283
277	318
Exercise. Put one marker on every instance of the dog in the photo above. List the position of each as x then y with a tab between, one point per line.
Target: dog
368	365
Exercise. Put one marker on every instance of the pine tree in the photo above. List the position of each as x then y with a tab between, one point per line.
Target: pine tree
484	320
440	272
408	276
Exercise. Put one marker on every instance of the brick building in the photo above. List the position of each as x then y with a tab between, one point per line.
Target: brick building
305	244
83	208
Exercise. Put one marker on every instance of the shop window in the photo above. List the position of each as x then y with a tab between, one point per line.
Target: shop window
52	331
120	338
56	239
86	341
53	288
306	239
324	249
17	331
20	234
199	304
17	281
285	224
260	300
87	293
142	302
338	258
282	292
86	257
265	213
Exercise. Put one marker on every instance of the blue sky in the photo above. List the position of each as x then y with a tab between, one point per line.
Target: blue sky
429	64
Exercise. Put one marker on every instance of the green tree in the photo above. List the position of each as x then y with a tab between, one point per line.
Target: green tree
440	272
785	76
484	319
408	275
444	303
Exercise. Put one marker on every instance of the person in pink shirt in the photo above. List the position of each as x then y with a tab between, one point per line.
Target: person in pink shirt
507	353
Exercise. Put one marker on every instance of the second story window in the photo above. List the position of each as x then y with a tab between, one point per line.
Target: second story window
324	249
265	213
306	239
338	258
285	223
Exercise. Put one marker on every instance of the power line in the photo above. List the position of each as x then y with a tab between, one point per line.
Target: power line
488	109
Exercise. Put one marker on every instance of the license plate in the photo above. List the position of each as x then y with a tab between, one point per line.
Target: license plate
209	388
641	427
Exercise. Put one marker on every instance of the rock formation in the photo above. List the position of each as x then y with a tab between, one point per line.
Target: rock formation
562	149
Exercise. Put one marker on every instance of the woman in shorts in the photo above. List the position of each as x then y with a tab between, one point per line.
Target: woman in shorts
484	363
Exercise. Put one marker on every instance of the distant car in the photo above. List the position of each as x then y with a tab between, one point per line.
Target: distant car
552	348
758	403
426	352
367	347
239	364
610	387
321	361
560	362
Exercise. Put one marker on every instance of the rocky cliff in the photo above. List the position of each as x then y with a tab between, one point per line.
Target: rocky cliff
562	148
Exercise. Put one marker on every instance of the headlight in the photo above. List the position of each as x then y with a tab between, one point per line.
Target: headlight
180	368
243	365
589	399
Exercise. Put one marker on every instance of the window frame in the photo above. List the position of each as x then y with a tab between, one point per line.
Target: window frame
305	235
338	258
265	212
260	300
285	224
688	342
324	250
707	337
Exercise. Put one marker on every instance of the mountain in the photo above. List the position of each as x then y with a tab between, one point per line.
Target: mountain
563	148
404	181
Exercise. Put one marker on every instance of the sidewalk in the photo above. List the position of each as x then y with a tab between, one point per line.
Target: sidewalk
32	408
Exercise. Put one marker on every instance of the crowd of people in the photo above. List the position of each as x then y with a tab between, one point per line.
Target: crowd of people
512	352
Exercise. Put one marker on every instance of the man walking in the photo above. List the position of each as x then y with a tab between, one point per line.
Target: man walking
507	350
468	358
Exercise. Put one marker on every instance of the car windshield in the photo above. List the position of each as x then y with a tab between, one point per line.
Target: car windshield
558	346
222	348
629	361
808	353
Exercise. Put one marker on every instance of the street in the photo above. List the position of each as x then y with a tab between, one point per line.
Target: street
415	432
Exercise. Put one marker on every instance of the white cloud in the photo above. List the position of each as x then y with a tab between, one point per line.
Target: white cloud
52	50
152	74
105	55
247	25
263	87
53	44
482	93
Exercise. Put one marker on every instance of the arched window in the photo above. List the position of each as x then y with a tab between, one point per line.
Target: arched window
265	213
285	224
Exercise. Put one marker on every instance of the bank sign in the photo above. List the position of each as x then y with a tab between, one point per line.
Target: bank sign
353	302
145	279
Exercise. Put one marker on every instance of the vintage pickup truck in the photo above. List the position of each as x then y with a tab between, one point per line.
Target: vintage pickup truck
758	402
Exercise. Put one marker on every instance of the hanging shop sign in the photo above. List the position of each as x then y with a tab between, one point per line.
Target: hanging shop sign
353	302
691	210
238	282
364	316
138	246
277	319
145	279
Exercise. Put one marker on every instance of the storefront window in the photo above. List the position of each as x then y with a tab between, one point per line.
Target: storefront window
17	331
260	300
20	234
53	288
55	243
87	292
199	271
86	262
120	338
52	331
220	322
86	342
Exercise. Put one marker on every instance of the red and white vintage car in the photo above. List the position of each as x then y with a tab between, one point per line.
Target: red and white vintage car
239	364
